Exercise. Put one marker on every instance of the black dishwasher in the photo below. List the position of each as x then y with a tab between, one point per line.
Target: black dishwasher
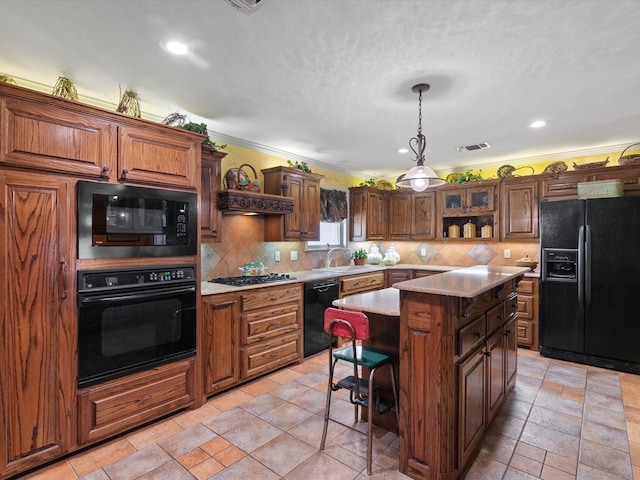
318	296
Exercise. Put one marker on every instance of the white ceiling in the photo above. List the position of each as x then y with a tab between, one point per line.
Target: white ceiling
329	81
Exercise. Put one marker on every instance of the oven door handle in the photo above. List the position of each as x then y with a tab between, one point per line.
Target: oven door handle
147	294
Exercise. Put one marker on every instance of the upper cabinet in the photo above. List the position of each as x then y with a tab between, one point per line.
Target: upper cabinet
564	185
519	205
412	215
368	214
47	133
472	204
304	223
210	184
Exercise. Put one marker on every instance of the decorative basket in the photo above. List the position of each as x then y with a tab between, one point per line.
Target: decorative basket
629	159
588	166
237	179
556	167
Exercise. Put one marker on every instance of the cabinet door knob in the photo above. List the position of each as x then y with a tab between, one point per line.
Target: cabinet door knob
105	171
124	173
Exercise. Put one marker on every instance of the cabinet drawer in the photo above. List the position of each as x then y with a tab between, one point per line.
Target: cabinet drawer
525	307
265	297
471	335
264	324
526	286
495	317
525	333
271	354
361	283
118	405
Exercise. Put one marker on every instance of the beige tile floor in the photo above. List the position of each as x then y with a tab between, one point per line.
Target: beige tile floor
562	421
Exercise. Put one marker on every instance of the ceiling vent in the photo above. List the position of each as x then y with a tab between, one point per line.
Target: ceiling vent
471	148
247	6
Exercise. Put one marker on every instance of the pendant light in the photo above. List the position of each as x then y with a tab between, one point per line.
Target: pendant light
420	177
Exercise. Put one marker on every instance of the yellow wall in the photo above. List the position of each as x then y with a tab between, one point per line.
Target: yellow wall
236	156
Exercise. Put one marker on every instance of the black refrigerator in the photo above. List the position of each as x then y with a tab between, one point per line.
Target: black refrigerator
590	281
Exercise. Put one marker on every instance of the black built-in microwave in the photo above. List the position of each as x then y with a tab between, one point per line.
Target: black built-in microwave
121	221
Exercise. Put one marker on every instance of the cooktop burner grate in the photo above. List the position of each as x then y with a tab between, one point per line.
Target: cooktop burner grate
252	280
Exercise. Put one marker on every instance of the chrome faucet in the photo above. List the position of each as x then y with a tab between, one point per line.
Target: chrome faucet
345	253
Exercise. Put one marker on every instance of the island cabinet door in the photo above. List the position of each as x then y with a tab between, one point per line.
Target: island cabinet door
495	352
471	408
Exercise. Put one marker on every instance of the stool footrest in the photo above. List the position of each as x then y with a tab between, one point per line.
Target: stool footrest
349	383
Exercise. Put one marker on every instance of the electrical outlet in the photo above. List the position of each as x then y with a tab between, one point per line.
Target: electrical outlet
507	253
423	252
277	255
294	254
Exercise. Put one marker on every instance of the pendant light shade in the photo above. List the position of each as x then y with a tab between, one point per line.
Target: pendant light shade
420	177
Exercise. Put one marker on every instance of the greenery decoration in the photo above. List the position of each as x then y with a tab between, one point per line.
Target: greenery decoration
299	165
7	79
368	183
65	88
129	104
201	128
360	254
465	177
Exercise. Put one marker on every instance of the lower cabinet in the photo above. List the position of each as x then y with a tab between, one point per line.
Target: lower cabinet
116	406
271	328
250	333
221	319
527	328
392	276
361	283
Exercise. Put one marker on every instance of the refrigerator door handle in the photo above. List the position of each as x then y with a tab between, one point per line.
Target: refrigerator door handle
581	266
587	265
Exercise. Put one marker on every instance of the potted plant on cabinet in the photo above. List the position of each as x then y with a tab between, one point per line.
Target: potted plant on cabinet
359	256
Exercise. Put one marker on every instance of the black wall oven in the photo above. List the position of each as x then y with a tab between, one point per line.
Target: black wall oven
134	319
120	221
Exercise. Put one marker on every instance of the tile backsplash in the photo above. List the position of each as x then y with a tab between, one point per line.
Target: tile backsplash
243	241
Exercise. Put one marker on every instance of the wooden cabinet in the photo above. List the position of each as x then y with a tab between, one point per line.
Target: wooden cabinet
412	215
38	321
271	328
47	133
361	283
476	203
368	214
304	222
157	155
527	327
116	406
210	215
519	208
392	276
457	366
564	185
221	342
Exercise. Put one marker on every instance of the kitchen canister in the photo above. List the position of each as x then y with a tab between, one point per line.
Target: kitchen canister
388	259
375	257
453	231
394	253
469	230
486	231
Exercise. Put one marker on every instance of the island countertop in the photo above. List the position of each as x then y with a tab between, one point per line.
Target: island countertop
384	302
465	282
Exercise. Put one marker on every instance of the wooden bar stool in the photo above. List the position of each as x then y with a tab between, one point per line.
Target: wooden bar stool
363	392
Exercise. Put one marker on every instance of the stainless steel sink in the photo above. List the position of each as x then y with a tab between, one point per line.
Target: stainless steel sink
343	268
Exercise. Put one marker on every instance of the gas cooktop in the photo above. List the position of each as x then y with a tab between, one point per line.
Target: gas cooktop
252	280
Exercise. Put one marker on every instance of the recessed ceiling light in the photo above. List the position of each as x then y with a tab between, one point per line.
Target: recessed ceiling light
177	48
537	124
403	150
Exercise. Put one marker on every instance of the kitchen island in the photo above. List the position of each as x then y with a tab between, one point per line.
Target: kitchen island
455	337
458	363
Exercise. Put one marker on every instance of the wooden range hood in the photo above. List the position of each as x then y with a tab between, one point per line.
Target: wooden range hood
240	202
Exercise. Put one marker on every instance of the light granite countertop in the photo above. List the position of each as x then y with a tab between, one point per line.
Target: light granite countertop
383	302
209	288
465	282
